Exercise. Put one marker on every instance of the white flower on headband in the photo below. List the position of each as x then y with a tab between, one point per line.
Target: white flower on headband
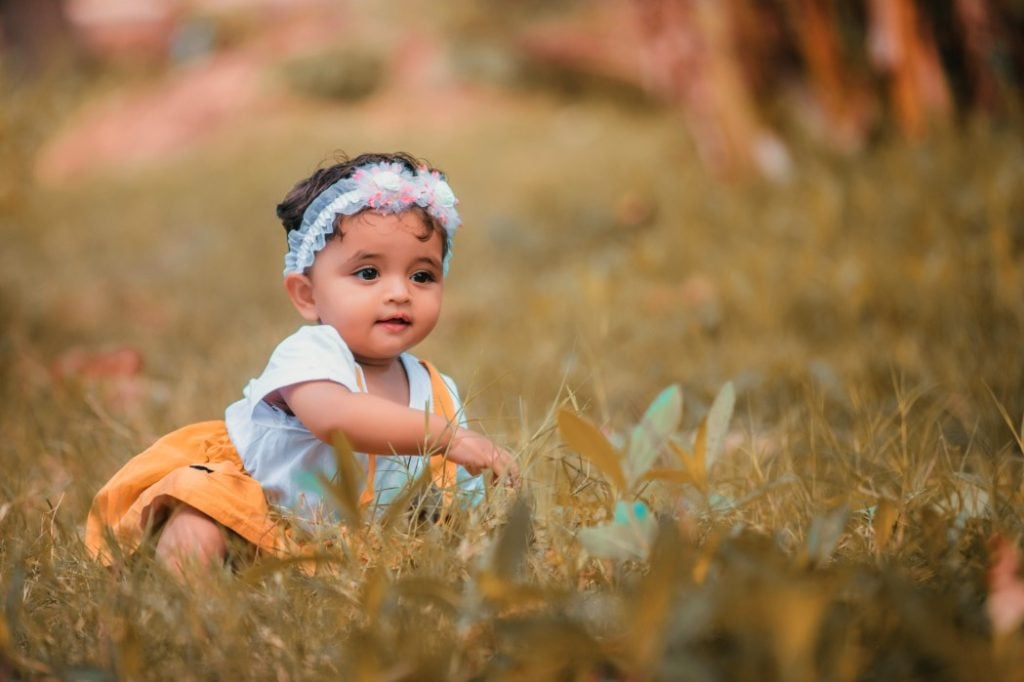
387	180
444	194
382	187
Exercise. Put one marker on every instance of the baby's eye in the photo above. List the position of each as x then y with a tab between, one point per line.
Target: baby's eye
423	277
367	273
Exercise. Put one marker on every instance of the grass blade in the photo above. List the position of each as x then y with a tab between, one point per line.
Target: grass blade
344	489
884	523
654	599
510	548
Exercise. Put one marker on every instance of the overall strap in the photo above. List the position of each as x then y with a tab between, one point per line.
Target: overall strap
371	459
442	472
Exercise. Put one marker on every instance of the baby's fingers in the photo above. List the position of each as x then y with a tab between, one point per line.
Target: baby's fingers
508	471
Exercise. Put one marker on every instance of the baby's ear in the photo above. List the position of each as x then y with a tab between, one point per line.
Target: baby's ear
300	291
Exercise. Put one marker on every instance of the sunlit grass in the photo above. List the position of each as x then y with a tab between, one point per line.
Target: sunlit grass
869	315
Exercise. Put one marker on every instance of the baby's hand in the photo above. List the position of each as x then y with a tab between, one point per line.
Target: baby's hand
476	453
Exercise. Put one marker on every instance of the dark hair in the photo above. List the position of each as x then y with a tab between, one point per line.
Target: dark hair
298	199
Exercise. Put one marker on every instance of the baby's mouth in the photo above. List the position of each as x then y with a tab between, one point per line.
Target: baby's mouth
395	320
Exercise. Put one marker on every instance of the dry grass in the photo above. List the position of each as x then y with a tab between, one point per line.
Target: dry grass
869	314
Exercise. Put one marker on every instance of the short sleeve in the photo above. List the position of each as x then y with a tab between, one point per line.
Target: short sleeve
313	353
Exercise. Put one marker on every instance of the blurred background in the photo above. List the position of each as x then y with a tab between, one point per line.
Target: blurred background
819	200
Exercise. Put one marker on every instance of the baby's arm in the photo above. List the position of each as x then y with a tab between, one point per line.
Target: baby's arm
375	424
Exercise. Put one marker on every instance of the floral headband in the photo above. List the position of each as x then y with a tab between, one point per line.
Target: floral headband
382	187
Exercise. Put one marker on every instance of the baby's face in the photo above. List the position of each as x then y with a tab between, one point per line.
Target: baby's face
380	284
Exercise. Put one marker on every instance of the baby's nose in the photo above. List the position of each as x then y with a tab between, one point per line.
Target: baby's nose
398	288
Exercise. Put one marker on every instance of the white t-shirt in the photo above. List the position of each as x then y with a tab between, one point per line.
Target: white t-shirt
277	449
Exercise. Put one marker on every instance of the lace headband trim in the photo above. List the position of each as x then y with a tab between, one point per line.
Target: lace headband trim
382	187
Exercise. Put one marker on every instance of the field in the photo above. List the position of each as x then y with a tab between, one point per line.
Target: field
856	518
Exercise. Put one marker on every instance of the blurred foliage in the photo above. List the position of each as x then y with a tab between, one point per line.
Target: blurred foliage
30	110
740	71
347	73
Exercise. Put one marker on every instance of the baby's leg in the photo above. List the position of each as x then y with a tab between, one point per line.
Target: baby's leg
190	537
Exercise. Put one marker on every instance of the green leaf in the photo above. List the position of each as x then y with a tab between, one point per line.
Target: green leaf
717	424
621	540
626	512
614	542
656	426
585	438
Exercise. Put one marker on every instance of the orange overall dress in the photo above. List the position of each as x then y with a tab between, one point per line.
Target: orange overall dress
199	466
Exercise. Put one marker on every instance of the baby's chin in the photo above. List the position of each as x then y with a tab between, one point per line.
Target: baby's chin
379	357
